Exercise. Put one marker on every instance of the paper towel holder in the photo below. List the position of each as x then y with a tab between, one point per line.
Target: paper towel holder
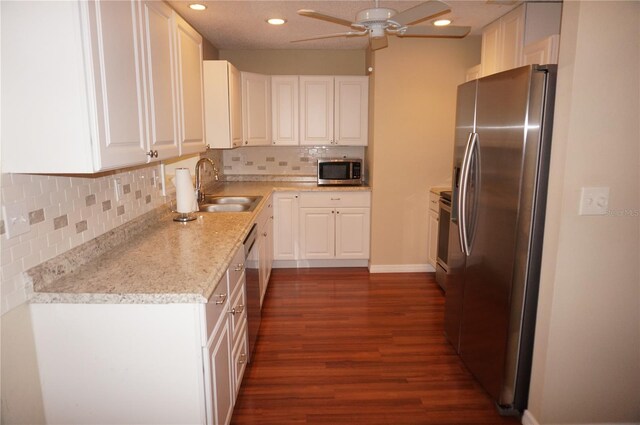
184	217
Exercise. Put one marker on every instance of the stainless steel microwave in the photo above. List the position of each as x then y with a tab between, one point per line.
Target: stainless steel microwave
340	171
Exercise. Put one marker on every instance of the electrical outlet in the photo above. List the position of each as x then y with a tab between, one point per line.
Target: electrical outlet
594	201
16	219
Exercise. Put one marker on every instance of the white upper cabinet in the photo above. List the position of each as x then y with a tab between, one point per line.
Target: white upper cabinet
316	110
160	63
92	86
351	111
256	108
542	51
505	41
189	47
334	110
284	110
222	105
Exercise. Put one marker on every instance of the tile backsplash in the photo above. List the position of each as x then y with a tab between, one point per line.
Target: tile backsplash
64	212
283	160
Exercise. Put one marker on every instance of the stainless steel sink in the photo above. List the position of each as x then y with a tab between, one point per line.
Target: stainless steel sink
229	203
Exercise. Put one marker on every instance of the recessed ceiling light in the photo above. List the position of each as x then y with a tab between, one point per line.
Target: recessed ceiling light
276	21
442	22
197	6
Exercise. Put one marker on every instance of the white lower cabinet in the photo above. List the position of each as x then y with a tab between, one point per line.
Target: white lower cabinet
434	211
265	243
144	363
334	225
285	225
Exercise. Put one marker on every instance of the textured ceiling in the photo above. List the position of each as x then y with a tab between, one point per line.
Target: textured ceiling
240	24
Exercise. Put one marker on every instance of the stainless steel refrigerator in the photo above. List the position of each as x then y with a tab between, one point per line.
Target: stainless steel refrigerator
500	171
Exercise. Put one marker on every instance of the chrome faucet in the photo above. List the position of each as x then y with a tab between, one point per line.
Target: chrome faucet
199	190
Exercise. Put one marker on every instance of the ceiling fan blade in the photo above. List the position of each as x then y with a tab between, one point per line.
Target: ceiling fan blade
317	15
430	31
337	34
421	12
378	43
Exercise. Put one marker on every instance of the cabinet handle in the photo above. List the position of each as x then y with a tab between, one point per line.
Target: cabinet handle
221	299
243	358
335	199
246	142
238	309
239	267
152	154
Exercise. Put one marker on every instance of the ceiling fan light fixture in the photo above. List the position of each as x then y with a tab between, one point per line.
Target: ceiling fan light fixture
197	6
442	22
276	21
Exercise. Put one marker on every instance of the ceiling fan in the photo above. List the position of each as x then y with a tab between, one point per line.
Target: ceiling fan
378	22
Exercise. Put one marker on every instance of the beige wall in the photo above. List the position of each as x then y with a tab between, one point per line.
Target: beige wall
586	365
209	51
21	397
302	62
413	123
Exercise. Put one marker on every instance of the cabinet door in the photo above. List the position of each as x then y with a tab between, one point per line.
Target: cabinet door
352	233
490	53
317	233
256	108
159	59
284	110
220	373
351	111
316	110
432	249
285	226
189	61
235	106
544	51
117	74
473	73
511	39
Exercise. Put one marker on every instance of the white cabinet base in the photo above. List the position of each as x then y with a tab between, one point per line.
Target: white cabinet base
304	264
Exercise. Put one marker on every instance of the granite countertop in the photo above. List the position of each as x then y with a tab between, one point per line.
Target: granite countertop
438	189
166	261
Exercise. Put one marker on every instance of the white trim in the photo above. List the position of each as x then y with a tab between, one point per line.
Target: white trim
400	268
529	419
302	264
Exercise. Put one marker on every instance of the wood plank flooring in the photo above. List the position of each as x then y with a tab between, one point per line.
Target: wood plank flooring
341	346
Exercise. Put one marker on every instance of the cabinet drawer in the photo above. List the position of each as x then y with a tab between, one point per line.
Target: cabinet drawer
236	270
433	201
335	199
266	213
240	358
238	312
217	305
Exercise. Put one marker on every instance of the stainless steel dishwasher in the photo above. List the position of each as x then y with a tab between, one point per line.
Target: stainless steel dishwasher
252	262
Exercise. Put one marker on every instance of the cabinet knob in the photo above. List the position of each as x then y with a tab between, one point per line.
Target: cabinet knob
239	267
221	299
264	234
246	142
152	154
238	309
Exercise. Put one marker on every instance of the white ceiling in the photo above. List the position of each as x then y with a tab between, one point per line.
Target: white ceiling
240	24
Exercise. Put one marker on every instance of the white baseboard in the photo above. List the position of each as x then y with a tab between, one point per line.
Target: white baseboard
529	419
400	268
302	264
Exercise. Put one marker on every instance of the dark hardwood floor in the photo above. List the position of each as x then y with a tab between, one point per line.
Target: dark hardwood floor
341	346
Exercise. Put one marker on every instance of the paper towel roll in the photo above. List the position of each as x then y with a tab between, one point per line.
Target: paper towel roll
185	193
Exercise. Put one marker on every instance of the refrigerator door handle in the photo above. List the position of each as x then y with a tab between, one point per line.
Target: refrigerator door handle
466	167
462	195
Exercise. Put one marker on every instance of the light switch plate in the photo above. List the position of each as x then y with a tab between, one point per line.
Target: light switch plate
594	201
16	219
